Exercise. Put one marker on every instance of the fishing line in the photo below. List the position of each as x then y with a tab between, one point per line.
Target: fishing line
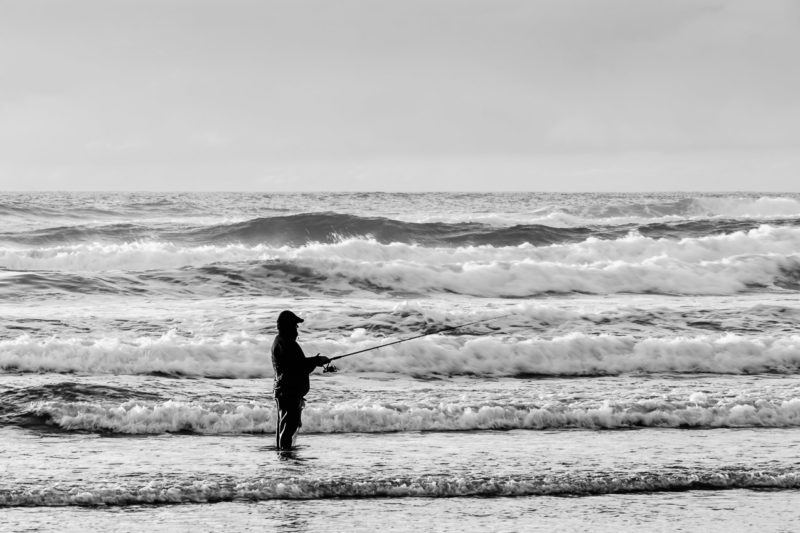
330	368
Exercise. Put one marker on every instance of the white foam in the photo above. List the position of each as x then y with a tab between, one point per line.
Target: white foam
145	255
136	417
722	264
203	490
577	354
136	255
231	355
246	356
530	277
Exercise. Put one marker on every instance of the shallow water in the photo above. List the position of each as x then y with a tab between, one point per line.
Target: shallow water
632	362
468	481
735	510
59	469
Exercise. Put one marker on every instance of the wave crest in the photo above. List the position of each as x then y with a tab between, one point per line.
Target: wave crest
292	488
215	418
765	257
576	354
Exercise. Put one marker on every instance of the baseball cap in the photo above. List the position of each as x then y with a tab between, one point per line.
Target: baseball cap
287	317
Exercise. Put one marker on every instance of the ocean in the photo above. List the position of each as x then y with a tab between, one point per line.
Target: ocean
630	362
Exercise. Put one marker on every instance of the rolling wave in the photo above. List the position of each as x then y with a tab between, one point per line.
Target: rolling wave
631	247
333	276
517	207
68	392
143	417
300	229
575	354
206	490
733	206
96	233
642	207
329	227
766	257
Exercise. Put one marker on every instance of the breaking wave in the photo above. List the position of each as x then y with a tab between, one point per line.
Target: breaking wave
576	354
631	247
300	229
142	417
765	257
331	227
208	490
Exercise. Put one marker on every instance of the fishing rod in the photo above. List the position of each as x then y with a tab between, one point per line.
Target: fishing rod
330	368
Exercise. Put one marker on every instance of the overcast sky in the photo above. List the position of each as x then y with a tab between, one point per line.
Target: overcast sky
400	95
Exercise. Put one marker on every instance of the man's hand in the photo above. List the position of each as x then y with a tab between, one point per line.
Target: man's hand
323	360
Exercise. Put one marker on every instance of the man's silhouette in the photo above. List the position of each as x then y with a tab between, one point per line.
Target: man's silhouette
292	368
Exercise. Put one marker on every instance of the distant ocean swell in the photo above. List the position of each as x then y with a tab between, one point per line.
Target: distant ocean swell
556	484
328	228
630	248
575	354
535	207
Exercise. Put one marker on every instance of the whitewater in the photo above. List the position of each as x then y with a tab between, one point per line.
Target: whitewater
636	353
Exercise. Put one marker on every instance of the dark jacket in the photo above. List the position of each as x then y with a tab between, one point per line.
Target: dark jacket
291	367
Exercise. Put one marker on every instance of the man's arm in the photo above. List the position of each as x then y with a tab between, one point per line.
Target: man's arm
313	362
290	359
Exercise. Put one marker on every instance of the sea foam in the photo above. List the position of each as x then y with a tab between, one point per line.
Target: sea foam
247	356
631	247
765	257
355	416
159	491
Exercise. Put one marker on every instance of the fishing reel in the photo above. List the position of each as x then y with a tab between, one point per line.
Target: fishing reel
328	367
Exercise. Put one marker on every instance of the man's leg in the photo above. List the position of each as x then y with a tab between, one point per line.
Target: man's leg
289	410
278	423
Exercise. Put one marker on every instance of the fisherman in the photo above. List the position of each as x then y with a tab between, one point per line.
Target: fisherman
292	369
